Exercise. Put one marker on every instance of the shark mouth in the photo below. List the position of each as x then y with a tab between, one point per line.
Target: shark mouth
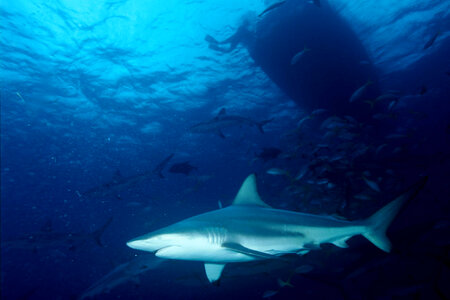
165	250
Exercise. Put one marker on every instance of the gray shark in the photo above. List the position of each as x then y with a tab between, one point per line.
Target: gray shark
250	230
222	120
121	274
47	238
116	185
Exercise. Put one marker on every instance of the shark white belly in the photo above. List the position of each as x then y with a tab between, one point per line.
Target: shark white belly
249	230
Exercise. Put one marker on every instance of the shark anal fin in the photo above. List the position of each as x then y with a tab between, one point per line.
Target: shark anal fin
213	271
341	243
247	251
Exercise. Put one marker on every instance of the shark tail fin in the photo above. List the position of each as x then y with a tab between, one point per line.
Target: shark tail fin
378	223
97	234
210	39
262	124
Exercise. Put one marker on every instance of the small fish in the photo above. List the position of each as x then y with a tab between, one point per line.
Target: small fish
20	96
392	104
397	150
268	153
322	181
360	91
333	122
372	184
388	96
282	283
304	269
351	119
423	90
220	204
303	120
318	111
362	197
299	55
431	41
396	136
78	193
379	148
366	173
277	171
302	172
382	116
182	168
269	293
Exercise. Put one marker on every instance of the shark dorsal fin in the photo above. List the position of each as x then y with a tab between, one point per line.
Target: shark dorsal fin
117	176
47	226
248	194
222	112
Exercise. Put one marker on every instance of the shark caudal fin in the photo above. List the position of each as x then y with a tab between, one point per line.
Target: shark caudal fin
379	222
97	234
262	123
210	39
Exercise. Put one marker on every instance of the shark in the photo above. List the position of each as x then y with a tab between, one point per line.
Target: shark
116	185
223	120
123	273
48	238
250	229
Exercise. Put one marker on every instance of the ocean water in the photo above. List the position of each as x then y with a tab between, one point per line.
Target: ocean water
96	94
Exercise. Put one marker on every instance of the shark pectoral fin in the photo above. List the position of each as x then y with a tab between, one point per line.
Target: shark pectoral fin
303	252
220	133
213	271
341	243
247	251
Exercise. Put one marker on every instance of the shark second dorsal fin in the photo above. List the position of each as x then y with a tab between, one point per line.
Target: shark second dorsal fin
248	194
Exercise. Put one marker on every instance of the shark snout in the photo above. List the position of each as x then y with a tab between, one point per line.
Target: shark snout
135	244
150	242
143	244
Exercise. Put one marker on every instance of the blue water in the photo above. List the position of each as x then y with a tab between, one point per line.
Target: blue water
90	88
